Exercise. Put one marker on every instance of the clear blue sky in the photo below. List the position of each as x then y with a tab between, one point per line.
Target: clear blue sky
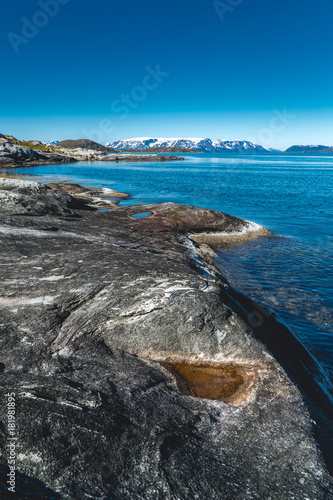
82	71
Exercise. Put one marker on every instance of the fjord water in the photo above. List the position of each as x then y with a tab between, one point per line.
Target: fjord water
290	271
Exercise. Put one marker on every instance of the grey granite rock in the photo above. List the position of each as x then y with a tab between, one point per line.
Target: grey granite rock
92	307
32	198
12	155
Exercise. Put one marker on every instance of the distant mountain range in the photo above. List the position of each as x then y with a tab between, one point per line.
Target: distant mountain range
142	144
202	145
310	149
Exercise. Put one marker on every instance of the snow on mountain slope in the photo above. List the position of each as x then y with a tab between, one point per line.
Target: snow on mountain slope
136	143
203	145
239	146
50	143
199	144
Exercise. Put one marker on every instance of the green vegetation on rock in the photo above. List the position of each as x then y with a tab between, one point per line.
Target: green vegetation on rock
84	144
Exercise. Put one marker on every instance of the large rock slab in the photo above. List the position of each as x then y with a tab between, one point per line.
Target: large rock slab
19	197
94	310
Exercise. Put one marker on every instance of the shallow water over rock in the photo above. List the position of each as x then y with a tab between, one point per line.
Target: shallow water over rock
141	215
220	382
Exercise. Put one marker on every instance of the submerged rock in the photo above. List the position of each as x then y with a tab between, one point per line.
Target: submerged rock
136	377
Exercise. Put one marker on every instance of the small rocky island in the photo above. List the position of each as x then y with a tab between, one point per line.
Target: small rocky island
138	372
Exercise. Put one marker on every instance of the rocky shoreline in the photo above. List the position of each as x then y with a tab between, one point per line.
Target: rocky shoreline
14	154
138	372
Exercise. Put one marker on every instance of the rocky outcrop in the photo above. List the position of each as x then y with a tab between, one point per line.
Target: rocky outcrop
10	138
32	198
13	155
17	153
93	197
136	376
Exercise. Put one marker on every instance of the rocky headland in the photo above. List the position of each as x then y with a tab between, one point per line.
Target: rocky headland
138	372
15	153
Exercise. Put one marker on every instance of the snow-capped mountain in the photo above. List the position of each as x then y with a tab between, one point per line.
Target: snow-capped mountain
239	146
136	143
202	145
50	143
149	142
198	144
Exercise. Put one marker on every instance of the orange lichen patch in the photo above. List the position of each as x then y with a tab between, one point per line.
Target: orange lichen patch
222	382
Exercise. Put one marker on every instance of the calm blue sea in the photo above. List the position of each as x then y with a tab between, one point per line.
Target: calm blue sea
290	271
